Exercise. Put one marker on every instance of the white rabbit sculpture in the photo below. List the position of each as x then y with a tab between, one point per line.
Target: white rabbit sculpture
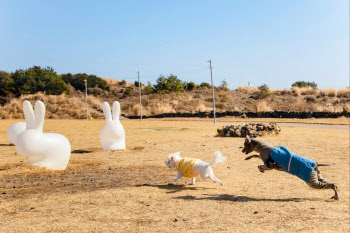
112	135
14	130
50	150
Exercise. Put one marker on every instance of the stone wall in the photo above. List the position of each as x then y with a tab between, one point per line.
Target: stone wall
250	129
274	114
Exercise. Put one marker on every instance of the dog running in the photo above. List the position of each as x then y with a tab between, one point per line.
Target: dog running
192	168
279	158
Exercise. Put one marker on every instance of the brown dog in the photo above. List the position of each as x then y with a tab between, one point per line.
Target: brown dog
290	162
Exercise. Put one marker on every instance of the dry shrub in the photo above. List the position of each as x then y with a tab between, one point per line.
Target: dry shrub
136	110
337	107
201	108
175	102
263	106
298	105
296	91
246	89
223	97
330	92
277	91
220	106
343	93
287	92
308	91
346	107
162	108
57	106
198	96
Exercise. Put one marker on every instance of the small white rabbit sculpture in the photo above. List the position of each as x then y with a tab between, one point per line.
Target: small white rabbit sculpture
112	135
14	130
50	150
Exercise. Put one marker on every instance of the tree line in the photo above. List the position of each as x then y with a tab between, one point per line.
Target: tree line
37	79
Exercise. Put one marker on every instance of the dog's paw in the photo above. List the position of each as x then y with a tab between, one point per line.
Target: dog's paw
261	169
335	197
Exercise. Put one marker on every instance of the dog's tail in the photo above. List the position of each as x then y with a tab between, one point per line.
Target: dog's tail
322	164
218	158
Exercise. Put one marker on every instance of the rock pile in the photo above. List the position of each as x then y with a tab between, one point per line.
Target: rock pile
250	129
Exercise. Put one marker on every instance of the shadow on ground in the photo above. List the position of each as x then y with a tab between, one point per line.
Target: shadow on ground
81	151
228	197
172	188
10	144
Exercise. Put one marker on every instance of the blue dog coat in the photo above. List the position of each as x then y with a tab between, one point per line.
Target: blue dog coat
292	163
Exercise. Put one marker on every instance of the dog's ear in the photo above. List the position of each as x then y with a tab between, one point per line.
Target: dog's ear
247	139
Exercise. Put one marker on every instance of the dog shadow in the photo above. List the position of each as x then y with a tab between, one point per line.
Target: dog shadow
10	144
227	197
172	188
81	151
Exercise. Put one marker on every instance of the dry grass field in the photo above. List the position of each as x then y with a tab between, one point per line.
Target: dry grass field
132	190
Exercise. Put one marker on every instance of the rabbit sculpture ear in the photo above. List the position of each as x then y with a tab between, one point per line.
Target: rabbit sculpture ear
116	110
107	111
39	112
28	114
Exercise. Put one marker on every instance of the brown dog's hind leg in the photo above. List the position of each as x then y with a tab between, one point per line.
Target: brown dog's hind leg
262	168
335	188
252	156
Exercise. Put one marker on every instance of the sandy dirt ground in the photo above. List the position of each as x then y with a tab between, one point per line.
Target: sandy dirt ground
132	190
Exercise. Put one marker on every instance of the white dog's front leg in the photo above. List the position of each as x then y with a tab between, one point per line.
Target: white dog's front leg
193	181
179	175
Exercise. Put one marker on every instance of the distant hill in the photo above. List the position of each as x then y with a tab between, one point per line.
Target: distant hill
199	99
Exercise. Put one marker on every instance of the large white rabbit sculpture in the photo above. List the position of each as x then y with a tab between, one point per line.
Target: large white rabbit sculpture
50	150
112	135
14	130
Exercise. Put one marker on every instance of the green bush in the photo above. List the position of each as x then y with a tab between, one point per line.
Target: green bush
263	92
6	84
304	84
204	85
36	79
148	89
169	84
190	86
137	84
77	81
127	92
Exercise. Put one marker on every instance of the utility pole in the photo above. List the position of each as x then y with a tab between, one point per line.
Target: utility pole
138	76
86	99
212	89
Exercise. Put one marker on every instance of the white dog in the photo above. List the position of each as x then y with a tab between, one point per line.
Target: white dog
193	168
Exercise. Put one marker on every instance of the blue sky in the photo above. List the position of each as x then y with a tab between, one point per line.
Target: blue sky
271	42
